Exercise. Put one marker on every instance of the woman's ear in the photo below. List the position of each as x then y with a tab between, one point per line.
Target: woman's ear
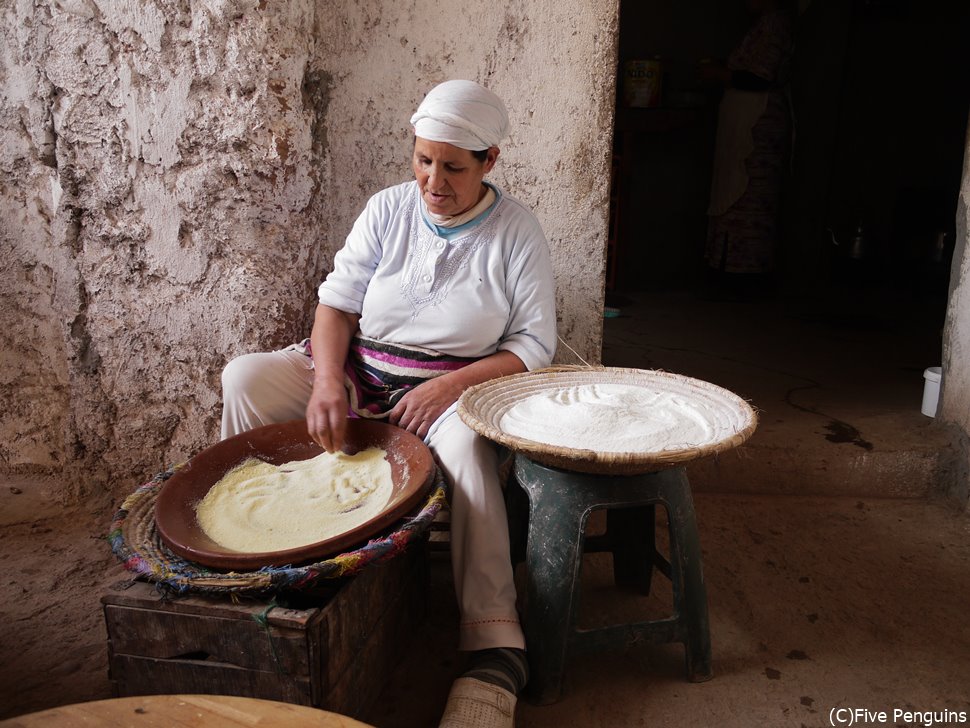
490	156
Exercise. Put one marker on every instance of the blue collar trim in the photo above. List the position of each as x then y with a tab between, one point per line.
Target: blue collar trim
449	233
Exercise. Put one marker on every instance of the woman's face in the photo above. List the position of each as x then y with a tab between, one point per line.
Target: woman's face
450	177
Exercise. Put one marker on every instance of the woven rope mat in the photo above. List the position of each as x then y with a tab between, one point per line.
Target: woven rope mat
134	540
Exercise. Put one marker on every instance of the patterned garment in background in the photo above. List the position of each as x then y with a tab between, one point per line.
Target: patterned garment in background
743	238
378	374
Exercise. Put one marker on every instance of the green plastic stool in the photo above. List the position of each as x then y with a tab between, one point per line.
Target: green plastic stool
560	503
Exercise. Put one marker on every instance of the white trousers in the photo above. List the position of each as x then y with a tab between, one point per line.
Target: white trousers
262	389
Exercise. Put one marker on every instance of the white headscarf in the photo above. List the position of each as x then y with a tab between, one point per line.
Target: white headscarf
462	113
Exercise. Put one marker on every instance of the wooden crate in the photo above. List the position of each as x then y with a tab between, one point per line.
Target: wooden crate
335	655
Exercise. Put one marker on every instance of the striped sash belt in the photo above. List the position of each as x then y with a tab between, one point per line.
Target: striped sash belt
377	374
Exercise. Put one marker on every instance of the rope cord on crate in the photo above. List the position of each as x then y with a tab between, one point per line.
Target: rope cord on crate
262	619
135	541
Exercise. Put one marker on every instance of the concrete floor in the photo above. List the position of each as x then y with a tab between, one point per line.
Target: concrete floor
824	592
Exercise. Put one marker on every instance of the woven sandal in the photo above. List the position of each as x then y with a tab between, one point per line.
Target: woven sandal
476	704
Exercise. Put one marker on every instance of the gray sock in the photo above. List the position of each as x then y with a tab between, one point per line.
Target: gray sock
505	667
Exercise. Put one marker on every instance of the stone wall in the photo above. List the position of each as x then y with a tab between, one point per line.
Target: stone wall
160	190
175	178
955	405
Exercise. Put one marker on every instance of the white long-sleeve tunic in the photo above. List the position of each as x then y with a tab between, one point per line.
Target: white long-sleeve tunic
481	290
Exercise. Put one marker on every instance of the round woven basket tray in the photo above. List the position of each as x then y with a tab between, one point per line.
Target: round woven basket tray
482	407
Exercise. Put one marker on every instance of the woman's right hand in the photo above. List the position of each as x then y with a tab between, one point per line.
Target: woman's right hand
326	413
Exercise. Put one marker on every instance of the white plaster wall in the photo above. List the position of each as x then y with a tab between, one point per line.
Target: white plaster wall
955	404
33	364
159	216
176	177
553	63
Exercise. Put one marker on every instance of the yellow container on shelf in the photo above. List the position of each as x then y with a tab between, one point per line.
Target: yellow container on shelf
642	83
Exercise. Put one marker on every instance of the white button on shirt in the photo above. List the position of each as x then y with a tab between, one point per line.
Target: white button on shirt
488	289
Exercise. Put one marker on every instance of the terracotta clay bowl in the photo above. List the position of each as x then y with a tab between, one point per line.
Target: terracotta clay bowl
412	470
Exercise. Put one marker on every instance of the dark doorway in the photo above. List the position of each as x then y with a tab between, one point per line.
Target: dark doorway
852	314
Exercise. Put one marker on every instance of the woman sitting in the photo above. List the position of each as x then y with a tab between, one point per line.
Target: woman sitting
444	282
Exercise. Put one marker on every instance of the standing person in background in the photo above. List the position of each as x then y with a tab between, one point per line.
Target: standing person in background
752	150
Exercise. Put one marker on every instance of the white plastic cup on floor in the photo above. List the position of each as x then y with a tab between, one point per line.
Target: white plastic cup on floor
931	390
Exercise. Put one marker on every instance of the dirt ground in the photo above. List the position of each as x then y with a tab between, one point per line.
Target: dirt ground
816	603
52	636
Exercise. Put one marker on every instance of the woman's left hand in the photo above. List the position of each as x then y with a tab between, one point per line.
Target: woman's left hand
419	408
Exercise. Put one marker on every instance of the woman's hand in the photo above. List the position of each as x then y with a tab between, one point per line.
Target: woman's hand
419	408
326	413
